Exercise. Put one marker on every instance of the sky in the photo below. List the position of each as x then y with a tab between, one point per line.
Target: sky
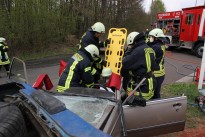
175	5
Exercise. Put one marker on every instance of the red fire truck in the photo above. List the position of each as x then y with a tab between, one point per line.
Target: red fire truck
184	28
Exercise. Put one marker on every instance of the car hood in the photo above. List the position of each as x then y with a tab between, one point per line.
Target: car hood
65	121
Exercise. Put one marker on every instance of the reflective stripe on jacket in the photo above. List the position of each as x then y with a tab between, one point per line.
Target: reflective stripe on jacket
78	72
4	59
159	49
141	62
147	88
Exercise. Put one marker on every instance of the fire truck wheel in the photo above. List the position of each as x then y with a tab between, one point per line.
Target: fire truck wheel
199	50
11	121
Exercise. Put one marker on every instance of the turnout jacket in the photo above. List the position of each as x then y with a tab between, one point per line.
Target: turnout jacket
159	49
4	59
89	38
141	59
78	72
141	63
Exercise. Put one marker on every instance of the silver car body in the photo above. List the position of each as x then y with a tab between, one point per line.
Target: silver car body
105	112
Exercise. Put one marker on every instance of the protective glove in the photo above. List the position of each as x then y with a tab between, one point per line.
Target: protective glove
136	101
97	58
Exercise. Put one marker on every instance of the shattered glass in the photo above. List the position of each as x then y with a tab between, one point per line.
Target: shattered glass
90	109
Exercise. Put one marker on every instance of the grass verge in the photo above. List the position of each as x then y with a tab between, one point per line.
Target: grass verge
42	52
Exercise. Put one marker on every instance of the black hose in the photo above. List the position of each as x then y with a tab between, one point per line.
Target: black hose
185	66
193	104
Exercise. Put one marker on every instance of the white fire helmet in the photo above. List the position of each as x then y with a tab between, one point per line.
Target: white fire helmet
2	39
98	27
157	33
93	50
106	72
130	37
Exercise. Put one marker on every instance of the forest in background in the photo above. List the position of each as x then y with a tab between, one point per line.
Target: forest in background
36	24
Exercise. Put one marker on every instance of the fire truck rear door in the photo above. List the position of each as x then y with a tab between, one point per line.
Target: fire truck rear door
187	25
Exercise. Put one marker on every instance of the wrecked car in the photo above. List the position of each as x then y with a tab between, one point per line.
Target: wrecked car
82	112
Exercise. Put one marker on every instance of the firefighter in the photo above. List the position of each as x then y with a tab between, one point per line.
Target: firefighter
106	73
4	59
92	37
78	72
140	62
157	43
128	50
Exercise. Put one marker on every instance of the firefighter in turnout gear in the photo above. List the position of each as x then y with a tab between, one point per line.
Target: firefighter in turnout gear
4	59
79	71
157	42
128	50
92	37
140	63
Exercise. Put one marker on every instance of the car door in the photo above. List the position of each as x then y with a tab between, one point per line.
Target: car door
157	117
18	71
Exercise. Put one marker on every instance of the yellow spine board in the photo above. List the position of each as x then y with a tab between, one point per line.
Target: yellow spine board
115	50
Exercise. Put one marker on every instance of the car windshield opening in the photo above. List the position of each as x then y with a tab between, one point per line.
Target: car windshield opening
88	108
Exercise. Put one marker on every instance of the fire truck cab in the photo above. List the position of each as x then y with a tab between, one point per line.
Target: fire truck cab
184	28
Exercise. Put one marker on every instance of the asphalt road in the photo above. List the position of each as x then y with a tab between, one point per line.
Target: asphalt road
178	63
